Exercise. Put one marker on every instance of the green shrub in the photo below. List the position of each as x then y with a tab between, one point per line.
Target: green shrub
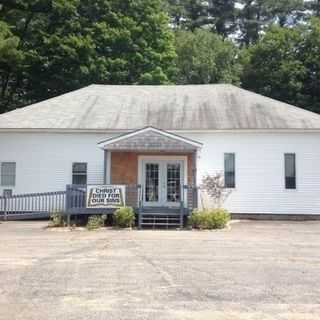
209	218
96	221
124	217
56	219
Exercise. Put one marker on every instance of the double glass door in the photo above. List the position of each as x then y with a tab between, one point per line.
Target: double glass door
162	182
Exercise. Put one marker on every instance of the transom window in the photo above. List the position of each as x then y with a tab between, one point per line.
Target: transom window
79	173
8	174
290	170
229	170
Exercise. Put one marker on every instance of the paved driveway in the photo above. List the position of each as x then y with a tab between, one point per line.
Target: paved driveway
256	270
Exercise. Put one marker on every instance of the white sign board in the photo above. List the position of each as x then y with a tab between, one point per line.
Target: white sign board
106	196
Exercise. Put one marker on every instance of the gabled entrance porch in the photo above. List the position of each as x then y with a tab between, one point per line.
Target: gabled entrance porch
162	168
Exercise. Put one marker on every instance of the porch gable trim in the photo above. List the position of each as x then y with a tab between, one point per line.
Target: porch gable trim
104	144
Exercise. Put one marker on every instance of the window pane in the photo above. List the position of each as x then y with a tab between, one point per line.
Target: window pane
79	179
152	182
173	182
80	167
290	170
79	173
8	173
229	170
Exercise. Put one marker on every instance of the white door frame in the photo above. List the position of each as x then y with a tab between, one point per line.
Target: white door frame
143	158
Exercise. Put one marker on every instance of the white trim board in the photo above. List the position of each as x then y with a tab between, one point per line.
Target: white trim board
176	131
105	143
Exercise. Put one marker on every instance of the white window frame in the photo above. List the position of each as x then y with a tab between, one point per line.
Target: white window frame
14	174
295	171
77	174
235	169
184	159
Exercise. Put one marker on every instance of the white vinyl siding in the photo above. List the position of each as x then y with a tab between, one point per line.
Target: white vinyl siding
44	163
44	160
260	170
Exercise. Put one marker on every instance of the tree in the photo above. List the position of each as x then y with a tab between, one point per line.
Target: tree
223	16
257	15
285	65
68	44
204	57
313	7
272	67
284	12
214	186
243	20
187	14
310	57
217	15
10	62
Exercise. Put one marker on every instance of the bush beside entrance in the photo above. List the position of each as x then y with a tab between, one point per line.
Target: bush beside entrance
96	221
209	218
57	220
124	217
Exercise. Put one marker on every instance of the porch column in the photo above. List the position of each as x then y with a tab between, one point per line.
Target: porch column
194	179
107	167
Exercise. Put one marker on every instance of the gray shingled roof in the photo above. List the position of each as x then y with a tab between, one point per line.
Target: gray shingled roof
191	107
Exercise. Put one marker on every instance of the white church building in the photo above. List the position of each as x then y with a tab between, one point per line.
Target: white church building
164	139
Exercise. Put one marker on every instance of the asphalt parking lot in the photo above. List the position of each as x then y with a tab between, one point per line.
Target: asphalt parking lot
256	270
